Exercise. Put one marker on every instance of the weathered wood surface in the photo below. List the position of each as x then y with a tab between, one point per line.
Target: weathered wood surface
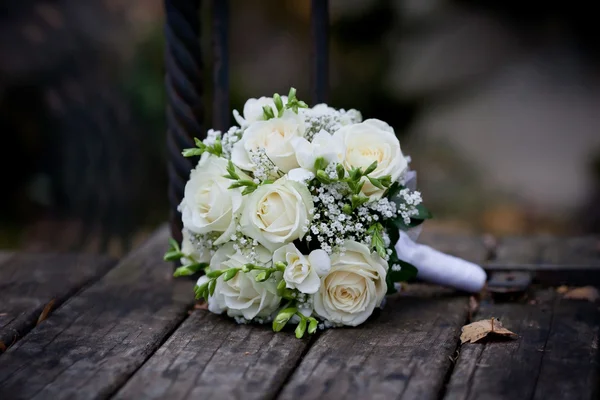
404	352
96	340
211	357
572	251
30	282
555	356
472	248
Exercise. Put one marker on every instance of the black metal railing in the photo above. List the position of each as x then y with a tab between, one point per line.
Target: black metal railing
184	68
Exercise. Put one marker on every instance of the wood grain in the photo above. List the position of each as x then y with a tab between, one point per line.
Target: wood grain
30	282
210	356
91	345
555	355
572	251
404	352
470	248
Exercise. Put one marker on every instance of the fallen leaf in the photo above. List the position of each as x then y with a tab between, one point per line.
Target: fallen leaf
562	289
2	347
46	311
201	306
475	331
588	293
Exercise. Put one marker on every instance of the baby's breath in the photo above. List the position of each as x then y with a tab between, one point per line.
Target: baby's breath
231	137
265	169
328	119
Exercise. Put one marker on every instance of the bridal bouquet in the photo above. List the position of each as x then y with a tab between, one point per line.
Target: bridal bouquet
295	215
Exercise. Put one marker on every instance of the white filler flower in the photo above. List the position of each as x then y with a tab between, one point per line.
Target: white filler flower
302	272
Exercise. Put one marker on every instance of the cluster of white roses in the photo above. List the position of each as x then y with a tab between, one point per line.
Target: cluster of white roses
293	215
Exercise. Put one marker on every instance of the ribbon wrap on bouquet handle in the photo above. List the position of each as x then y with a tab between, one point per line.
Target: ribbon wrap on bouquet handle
440	268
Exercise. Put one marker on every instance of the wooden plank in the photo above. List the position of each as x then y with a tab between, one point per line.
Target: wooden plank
30	282
96	340
515	250
470	248
210	356
404	352
555	355
572	251
553	261
5	255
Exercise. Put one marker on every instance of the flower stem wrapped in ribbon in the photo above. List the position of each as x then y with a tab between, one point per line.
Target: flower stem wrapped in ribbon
303	215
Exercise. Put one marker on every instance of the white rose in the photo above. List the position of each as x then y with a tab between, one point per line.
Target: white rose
354	286
368	141
323	145
277	214
302	272
242	295
191	252
275	136
208	205
253	110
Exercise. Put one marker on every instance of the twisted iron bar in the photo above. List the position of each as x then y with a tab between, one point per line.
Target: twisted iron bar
319	27
183	84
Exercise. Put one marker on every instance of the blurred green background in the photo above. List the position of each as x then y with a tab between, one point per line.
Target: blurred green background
495	102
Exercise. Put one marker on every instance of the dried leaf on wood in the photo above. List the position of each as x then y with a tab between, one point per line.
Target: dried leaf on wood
2	347
46	311
201	306
562	289
588	293
475	331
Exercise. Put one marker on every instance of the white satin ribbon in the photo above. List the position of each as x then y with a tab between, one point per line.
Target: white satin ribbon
440	268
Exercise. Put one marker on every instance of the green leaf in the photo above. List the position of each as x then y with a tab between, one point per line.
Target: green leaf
385	180
231	173
268	113
376	182
263	276
301	328
376	231
320	163
280	286
188	270
211	287
292	94
174	245
347	209
283	317
280	265
214	274
355	174
192	152
230	274
406	273
323	177
278	102
199	143
312	326
287	294
201	291
358	200
424	213
370	168
248	190
173	255
217	148
339	168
